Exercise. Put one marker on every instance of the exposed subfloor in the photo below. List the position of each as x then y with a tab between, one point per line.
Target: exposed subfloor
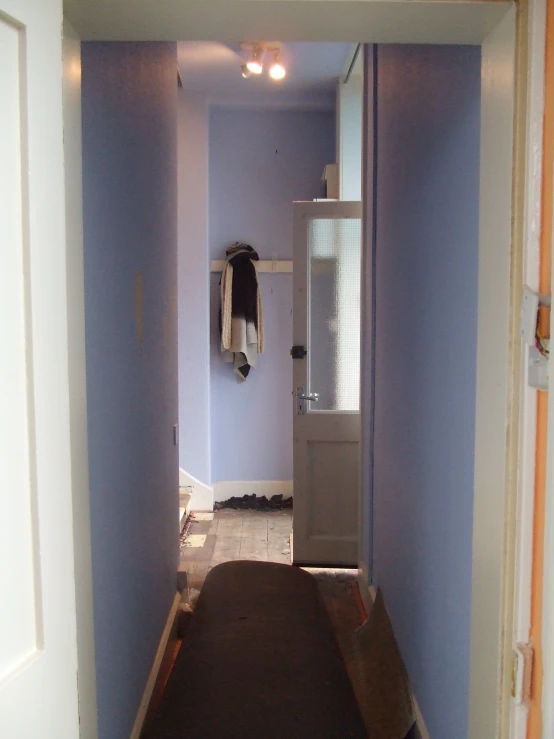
236	534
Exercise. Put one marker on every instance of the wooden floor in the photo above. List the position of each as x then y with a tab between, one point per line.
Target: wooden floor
235	535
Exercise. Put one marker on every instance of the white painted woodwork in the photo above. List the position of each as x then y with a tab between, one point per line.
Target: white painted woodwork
169	632
349	118
325	443
533	122
488	657
202	496
38	653
77	380
548	576
367	297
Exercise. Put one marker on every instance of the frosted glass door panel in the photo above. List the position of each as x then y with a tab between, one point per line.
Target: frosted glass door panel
334	255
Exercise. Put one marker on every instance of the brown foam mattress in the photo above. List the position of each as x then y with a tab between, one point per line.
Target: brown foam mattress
259	661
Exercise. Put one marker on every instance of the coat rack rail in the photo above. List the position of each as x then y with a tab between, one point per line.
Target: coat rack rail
263	265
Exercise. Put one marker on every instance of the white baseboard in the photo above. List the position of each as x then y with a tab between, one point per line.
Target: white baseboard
151	682
223	490
368	593
202	495
419	720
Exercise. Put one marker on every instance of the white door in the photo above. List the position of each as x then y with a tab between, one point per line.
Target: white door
38	663
326	381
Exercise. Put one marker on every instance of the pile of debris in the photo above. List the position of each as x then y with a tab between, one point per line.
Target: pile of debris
252	502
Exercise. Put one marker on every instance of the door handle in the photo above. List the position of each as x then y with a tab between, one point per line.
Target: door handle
312	396
302	397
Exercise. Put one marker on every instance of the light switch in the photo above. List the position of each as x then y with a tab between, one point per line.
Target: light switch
538	369
528	315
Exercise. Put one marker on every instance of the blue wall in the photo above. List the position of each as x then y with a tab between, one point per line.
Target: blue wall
130	227
428	101
260	162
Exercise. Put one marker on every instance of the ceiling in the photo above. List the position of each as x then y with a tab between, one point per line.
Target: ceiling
312	73
378	21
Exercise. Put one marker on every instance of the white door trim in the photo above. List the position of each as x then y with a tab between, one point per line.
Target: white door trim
86	665
548	576
170	630
529	130
497	410
367	339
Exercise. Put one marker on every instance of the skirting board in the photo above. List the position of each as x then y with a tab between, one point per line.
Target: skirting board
202	495
223	490
151	682
368	593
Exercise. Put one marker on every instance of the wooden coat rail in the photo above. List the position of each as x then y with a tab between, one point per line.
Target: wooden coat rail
263	265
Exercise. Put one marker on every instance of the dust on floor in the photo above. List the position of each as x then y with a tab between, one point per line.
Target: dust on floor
235	534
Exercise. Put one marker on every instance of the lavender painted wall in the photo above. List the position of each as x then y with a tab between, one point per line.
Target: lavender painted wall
427	208
130	227
260	162
194	287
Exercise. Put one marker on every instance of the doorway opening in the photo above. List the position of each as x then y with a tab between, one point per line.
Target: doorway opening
248	149
500	336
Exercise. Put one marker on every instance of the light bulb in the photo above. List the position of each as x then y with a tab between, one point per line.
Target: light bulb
246	73
277	71
255	65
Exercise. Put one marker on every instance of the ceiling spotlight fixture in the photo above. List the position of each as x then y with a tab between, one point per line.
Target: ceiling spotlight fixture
255	65
277	71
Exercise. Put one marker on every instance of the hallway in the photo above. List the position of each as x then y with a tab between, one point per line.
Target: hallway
433	472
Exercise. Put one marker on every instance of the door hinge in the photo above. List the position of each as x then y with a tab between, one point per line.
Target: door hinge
522	673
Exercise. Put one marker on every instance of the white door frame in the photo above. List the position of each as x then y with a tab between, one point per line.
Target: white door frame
529	129
86	664
497	410
548	576
498	396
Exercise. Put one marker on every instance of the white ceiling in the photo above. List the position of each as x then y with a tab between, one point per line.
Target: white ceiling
312	68
382	21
